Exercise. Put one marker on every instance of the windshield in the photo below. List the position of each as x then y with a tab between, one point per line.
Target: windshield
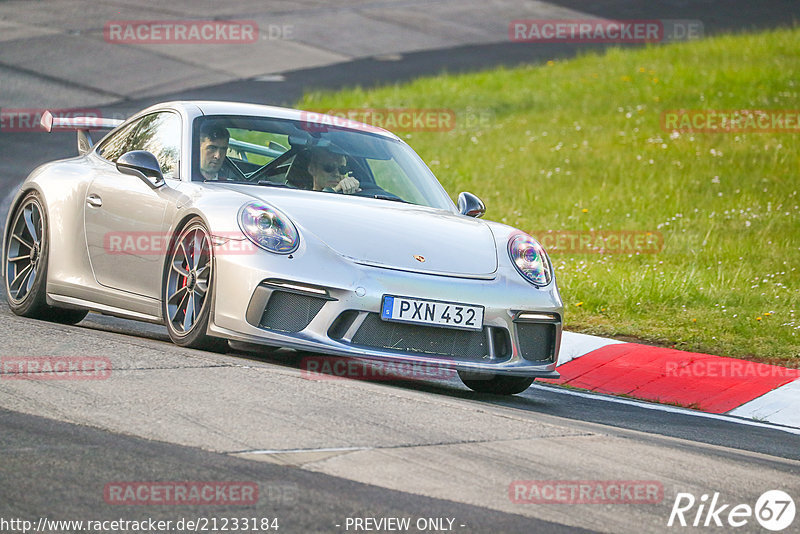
313	157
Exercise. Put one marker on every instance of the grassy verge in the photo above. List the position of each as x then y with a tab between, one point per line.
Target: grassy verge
578	146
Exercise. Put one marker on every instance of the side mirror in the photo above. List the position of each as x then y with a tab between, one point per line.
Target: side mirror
143	165
470	205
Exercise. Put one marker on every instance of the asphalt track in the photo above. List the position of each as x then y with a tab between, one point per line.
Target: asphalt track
301	501
322	451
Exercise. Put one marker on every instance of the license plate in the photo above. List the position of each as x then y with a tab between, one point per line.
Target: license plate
431	313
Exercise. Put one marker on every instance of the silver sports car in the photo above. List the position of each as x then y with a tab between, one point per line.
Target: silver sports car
228	221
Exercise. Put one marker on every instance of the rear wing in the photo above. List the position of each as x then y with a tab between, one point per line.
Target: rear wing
81	125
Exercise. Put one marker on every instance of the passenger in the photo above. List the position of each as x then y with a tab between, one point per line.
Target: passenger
213	149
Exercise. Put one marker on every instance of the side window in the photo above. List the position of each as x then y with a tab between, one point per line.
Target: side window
160	134
117	144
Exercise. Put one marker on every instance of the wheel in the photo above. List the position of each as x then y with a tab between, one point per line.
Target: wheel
26	256
496	384
188	279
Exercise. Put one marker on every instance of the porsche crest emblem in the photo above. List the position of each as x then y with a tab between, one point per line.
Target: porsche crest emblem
419	258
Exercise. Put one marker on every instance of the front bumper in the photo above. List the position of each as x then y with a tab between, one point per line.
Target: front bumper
288	301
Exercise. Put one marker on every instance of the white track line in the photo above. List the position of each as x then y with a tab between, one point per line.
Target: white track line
290	451
781	405
665	408
575	345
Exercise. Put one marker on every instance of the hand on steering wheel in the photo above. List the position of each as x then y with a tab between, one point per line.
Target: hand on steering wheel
348	185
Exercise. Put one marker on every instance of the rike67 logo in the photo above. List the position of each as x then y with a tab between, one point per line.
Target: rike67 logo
774	510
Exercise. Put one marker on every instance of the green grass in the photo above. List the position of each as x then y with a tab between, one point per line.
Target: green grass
577	145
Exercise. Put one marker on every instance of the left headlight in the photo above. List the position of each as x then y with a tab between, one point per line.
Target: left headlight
530	259
268	228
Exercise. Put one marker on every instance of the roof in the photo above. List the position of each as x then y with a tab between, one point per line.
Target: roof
212	107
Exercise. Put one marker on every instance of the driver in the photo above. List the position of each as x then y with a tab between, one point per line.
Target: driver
330	173
213	148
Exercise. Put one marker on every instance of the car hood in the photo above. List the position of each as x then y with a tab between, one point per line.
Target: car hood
390	234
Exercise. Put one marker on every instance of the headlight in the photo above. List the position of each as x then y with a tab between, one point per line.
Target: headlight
268	228
529	258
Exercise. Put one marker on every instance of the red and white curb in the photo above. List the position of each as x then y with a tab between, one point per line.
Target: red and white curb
712	384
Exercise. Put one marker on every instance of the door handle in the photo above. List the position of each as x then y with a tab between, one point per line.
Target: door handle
94	201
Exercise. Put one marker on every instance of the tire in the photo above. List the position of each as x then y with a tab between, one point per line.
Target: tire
187	288
26	255
495	384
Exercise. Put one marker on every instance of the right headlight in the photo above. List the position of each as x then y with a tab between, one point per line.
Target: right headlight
529	258
268	228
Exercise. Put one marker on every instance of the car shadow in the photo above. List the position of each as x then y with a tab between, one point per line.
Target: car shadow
430	380
316	366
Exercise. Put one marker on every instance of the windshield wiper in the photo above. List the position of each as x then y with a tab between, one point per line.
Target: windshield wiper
245	182
387	197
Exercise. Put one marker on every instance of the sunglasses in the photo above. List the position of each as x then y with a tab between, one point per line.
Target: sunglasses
330	167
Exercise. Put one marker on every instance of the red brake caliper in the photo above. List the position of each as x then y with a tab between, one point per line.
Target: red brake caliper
186	267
